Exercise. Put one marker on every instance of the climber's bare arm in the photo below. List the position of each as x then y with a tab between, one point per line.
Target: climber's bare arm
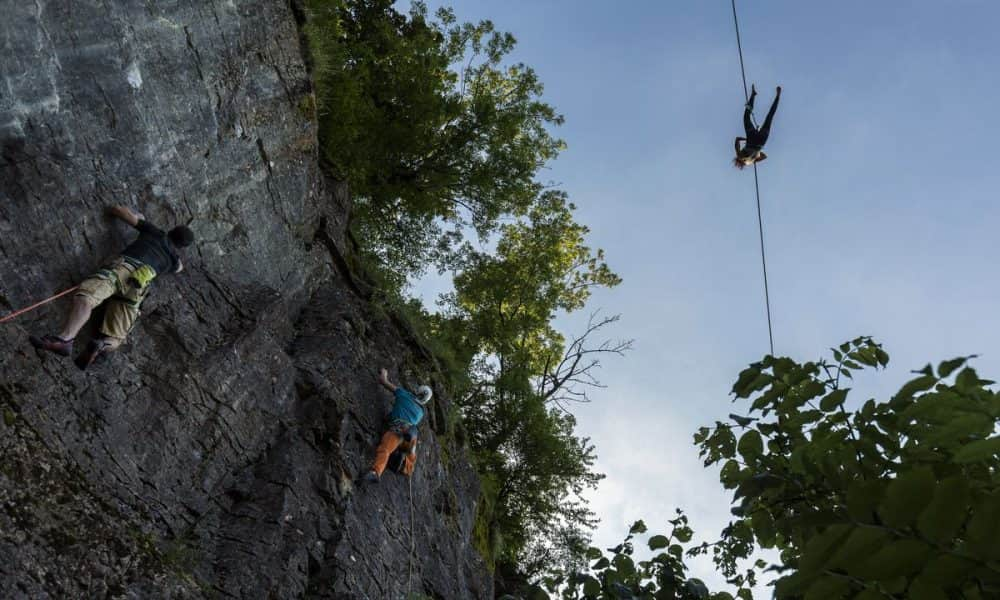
125	214
383	378
737	144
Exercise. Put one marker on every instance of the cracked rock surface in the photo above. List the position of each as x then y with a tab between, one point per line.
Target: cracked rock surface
213	456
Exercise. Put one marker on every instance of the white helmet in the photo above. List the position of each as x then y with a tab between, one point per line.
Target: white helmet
424	394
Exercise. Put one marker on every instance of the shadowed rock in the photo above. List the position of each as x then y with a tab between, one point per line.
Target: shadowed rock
212	456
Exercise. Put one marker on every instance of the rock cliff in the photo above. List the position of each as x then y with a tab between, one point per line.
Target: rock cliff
213	456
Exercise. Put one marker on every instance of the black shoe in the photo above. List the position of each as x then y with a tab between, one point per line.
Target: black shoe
52	343
370	477
94	349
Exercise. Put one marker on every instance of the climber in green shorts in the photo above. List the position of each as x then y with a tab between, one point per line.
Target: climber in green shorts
124	283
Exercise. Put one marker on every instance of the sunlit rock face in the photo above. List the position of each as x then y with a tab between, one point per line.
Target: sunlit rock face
213	456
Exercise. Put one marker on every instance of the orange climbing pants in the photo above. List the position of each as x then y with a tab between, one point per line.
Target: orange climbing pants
390	442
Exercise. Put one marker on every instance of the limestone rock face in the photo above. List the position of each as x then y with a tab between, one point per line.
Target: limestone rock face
213	456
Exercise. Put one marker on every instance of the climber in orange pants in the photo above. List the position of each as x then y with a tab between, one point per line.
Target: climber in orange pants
397	450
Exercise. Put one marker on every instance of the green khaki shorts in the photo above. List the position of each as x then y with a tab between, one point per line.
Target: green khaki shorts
114	283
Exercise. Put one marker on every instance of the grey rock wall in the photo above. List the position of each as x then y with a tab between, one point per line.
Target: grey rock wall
213	456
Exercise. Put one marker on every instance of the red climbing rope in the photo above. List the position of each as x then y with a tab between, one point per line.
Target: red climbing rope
36	305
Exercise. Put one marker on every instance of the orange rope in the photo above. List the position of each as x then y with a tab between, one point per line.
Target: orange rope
34	306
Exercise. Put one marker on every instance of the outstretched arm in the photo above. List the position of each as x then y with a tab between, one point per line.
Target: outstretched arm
737	143
760	156
383	379
125	214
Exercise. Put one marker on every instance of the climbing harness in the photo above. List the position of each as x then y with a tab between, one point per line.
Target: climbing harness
17	313
756	185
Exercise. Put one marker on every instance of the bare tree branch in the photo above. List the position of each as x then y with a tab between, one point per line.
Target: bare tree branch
569	380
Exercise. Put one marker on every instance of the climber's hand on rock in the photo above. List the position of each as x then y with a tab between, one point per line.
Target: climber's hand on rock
125	214
383	378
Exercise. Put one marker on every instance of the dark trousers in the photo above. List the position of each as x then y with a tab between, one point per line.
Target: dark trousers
757	137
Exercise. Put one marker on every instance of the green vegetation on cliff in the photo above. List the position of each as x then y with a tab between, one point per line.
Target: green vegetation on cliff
441	138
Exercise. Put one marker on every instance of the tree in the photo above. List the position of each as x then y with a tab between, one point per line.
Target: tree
619	575
427	123
522	369
895	499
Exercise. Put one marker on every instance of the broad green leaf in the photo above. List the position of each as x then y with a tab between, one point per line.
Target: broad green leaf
828	588
967	379
591	586
920	384
763	528
730	474
750	445
883	357
755	486
865	356
658	541
895	560
696	588
821	548
863	498
625	565
922	590
637	527
741	421
742	385
683	534
834	399
793	585
946	569
947	511
947	367
593	553
979	450
907	495
983	531
860	544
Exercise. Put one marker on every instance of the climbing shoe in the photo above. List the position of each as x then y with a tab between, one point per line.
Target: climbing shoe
370	477
52	343
94	349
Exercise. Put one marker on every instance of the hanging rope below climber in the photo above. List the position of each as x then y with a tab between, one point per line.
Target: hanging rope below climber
22	311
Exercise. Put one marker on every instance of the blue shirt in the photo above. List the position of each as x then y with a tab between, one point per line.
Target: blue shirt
406	408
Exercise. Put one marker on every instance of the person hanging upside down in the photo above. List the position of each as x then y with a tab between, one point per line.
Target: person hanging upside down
124	283
398	448
753	144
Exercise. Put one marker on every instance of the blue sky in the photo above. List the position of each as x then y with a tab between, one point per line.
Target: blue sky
879	202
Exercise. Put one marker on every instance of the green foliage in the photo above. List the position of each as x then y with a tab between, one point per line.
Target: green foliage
894	499
621	575
499	320
428	124
438	134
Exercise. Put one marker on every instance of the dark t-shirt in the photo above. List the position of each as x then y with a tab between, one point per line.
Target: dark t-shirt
154	249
